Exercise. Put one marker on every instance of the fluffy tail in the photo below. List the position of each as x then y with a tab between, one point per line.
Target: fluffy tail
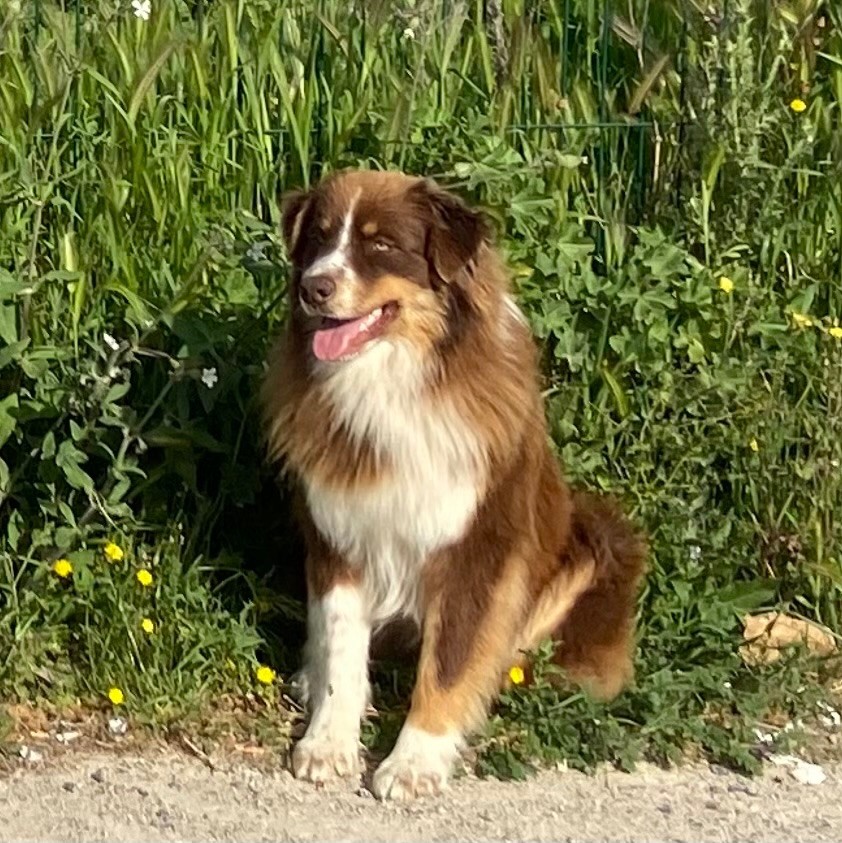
597	635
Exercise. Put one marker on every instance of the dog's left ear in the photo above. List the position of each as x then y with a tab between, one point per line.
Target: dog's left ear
456	232
293	207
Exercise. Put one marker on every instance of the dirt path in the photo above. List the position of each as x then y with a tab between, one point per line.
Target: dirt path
172	797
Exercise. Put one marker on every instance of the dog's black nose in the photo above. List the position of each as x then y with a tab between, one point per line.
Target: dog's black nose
317	289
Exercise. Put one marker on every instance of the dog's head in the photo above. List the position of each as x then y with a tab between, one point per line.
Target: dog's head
377	255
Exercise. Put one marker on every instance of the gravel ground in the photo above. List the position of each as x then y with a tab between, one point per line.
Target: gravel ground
168	796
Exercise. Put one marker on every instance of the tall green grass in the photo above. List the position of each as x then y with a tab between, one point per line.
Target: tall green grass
632	154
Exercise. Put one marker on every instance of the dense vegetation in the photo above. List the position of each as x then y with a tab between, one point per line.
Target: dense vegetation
667	182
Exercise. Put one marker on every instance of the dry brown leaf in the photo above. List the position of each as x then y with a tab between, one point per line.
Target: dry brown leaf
769	633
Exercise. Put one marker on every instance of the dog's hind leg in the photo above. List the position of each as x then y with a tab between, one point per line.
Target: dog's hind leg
596	637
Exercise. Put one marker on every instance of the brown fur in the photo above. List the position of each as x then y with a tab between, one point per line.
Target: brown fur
536	560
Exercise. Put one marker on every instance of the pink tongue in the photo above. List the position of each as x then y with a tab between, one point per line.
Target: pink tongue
334	343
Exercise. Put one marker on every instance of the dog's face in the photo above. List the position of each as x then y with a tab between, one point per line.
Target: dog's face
376	255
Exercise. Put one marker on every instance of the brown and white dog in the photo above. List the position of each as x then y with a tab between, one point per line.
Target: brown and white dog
404	399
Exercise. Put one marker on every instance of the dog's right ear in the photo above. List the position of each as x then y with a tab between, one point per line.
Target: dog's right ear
293	208
456	231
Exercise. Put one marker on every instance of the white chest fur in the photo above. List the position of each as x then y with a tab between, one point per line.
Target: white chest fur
427	500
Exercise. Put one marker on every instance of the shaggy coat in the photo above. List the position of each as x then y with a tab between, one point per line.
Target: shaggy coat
404	400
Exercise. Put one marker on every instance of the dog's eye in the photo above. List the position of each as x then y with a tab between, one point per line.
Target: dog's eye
380	246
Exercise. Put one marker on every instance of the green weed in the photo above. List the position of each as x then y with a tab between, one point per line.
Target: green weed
632	157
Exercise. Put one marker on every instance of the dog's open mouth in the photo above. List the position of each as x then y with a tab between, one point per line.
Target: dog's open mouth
340	339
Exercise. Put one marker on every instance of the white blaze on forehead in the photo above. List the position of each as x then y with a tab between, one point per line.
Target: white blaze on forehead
337	260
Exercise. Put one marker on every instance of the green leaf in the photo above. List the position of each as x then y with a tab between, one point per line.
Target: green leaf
8	419
148	78
8	324
12	352
746	596
64	537
68	459
116	392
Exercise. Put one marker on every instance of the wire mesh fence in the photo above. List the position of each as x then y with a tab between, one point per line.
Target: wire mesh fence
608	84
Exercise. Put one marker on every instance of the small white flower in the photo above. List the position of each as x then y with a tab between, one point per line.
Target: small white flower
142	9
695	553
210	377
110	341
408	34
727	686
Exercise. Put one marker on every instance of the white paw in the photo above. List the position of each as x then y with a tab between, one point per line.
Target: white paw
318	759
403	779
419	765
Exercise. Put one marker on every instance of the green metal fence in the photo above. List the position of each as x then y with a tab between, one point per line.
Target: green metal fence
588	40
632	86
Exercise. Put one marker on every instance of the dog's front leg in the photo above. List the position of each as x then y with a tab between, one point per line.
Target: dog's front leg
336	675
469	630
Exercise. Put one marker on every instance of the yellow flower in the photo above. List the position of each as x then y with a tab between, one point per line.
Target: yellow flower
802	320
116	696
144	577
753	445
798	105
516	675
836	332
265	675
147	625
113	552
63	568
726	285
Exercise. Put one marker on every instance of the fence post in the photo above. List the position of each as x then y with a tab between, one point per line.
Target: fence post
565	43
602	85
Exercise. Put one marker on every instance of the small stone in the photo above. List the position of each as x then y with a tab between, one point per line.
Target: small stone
807	773
665	808
69	786
141	791
780	760
98	775
764	737
831	719
117	726
31	755
165	819
741	788
67	737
